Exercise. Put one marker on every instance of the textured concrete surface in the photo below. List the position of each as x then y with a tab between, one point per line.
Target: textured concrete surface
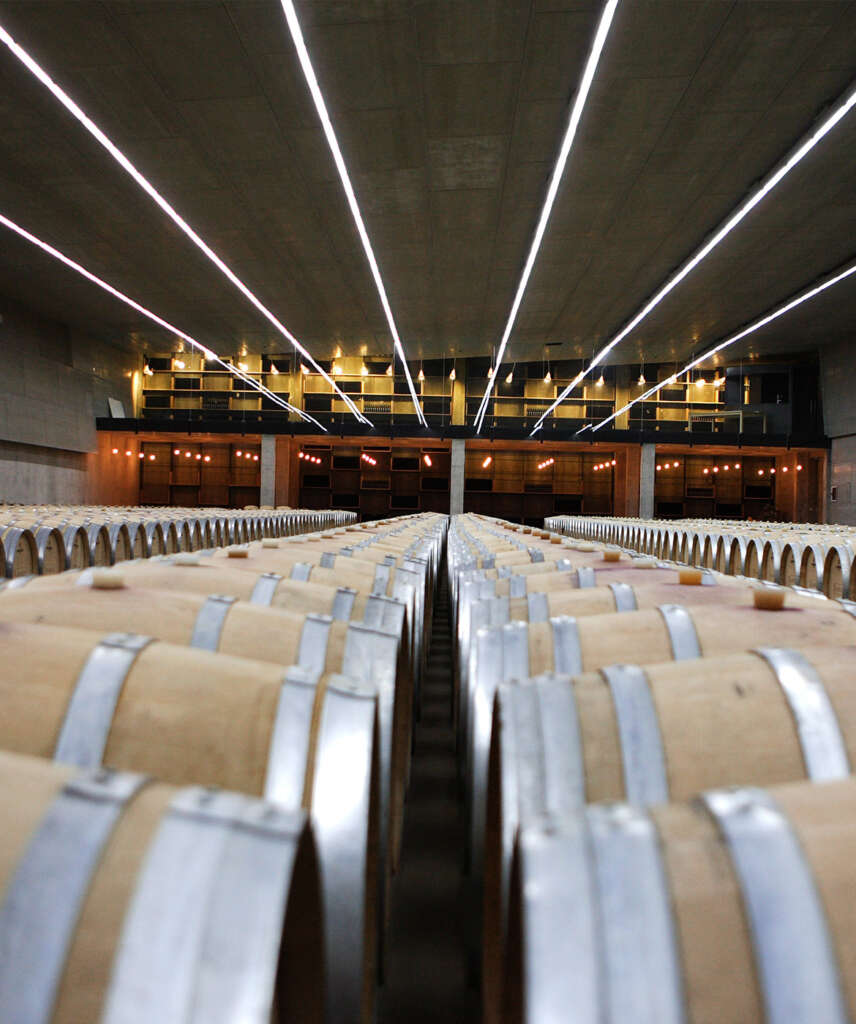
267	494
647	476
457	475
54	382
842	481
449	114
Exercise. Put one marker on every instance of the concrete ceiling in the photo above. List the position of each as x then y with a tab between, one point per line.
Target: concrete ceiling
449	113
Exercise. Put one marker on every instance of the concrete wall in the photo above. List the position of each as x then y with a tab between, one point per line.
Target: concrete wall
841	506
839	423
31	474
54	382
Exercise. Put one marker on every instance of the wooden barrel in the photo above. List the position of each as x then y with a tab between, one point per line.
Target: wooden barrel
121	545
76	544
104	915
50	546
735	907
628	593
658	733
314	643
837	567
789	565
20	552
579	572
195	574
405	583
811	566
195	717
99	544
668	633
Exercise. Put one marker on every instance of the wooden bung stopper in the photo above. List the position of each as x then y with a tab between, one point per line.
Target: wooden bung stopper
612	556
690	577
185	558
107	579
769	599
238	553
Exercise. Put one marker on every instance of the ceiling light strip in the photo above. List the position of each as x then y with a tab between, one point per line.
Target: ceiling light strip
72	265
38	72
333	143
841	109
567	142
768	318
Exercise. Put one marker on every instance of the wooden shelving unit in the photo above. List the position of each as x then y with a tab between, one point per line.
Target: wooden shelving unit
200	475
513	486
401	480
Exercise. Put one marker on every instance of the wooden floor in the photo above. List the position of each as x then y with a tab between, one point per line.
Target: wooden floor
426	976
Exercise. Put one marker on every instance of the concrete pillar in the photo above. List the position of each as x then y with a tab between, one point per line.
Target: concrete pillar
456	478
647	473
268	470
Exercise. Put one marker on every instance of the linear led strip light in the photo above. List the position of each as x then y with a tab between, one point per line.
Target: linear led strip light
38	72
71	264
841	109
768	318
567	142
333	143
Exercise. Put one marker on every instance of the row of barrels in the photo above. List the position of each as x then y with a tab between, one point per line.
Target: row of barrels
658	759
268	687
818	557
43	540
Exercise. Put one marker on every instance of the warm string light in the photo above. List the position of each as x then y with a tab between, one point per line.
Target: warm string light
546	463
427	459
368	458
487	461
